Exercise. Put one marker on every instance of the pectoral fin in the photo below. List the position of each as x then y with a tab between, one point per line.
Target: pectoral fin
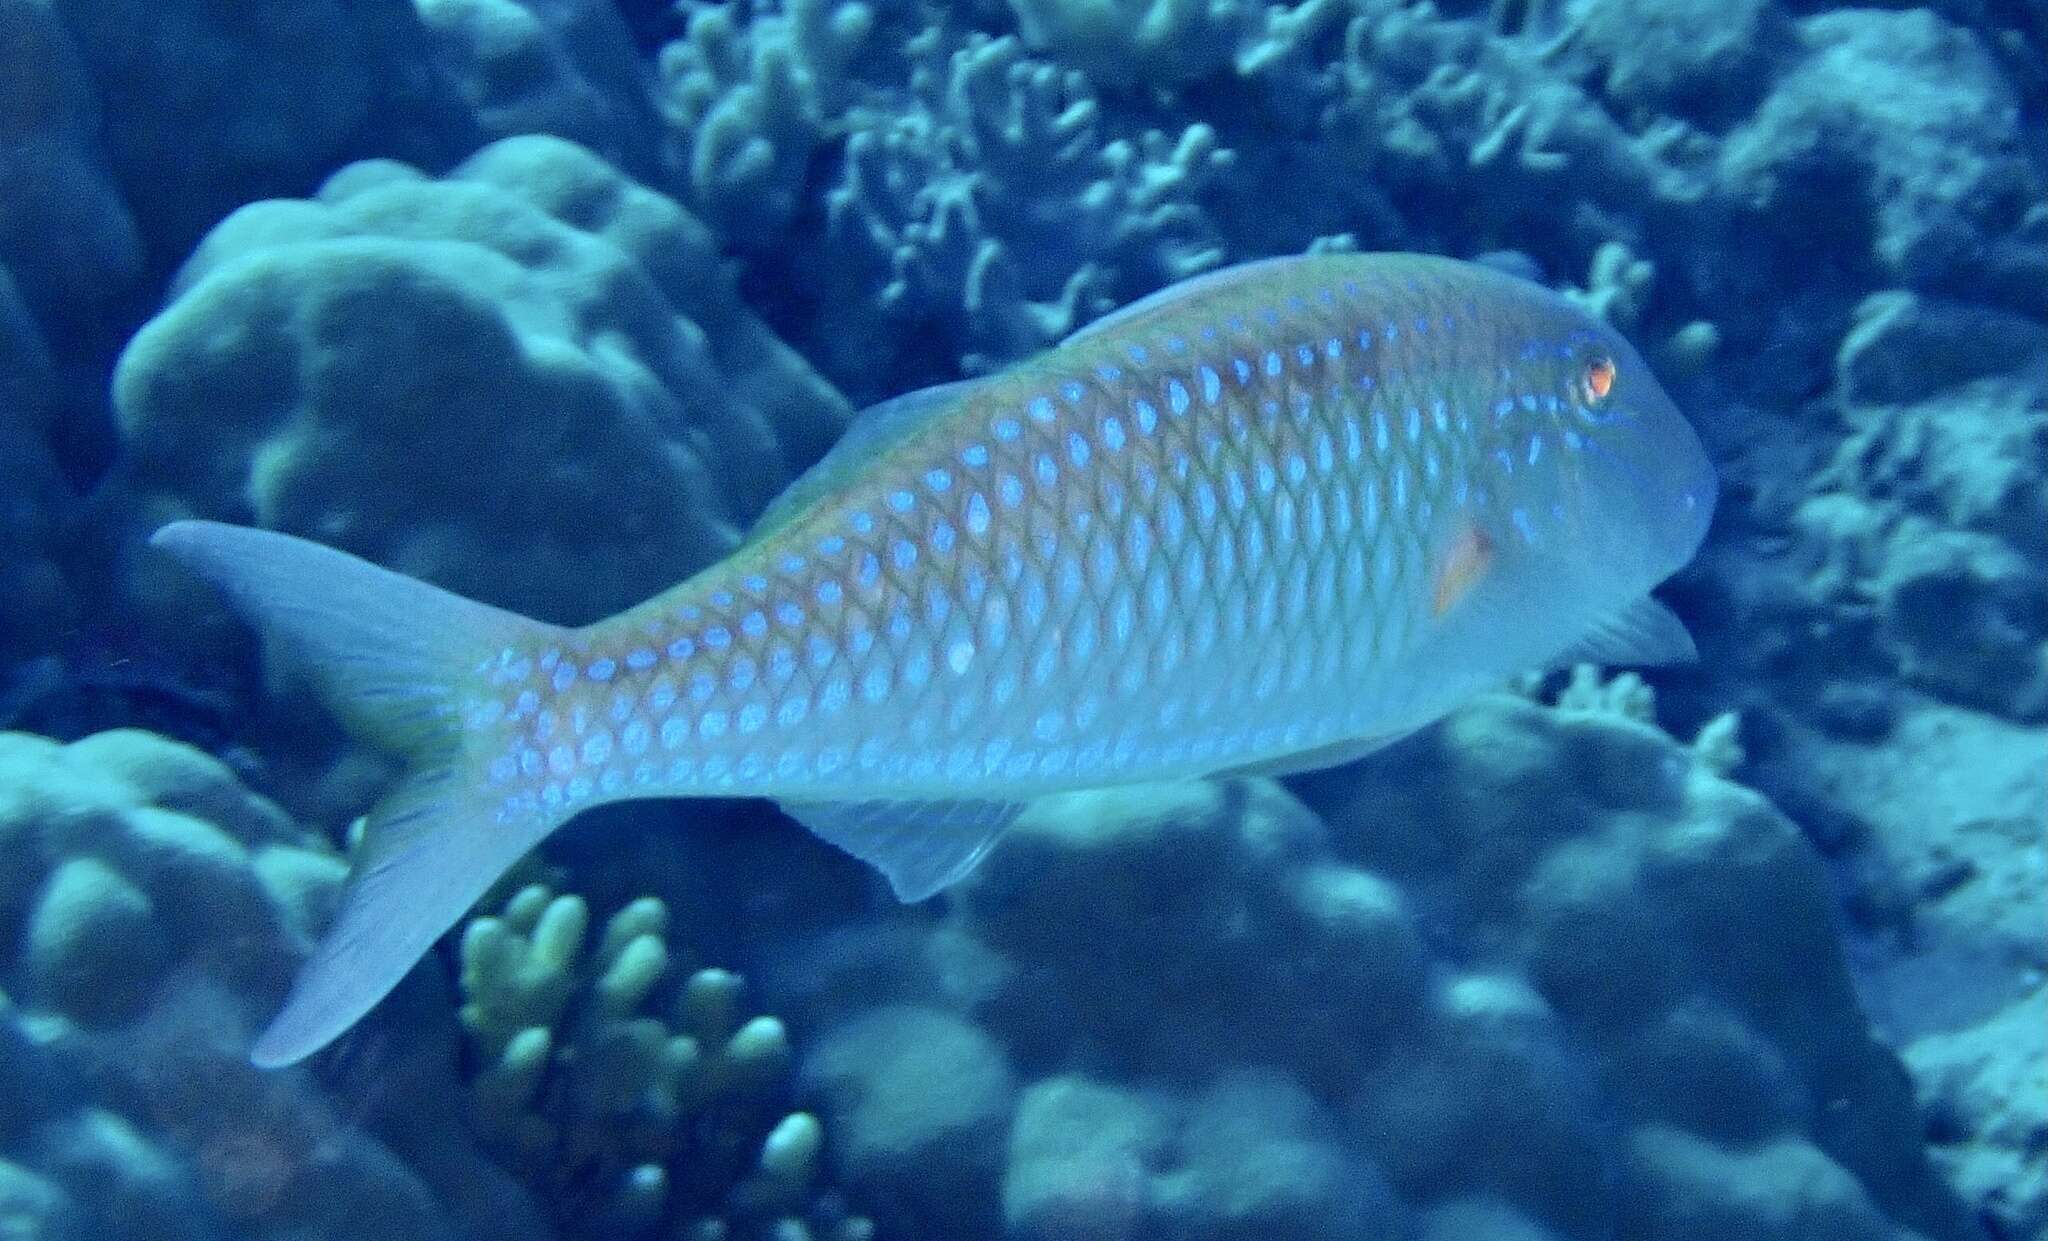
1644	633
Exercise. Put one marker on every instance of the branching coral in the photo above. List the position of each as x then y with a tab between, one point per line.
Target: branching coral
748	101
638	1104
1002	206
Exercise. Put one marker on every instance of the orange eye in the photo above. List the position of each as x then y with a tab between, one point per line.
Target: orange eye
1598	380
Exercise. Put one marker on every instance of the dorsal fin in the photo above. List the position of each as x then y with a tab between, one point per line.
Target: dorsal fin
1207	282
872	433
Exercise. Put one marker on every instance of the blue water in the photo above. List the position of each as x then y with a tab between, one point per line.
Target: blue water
545	300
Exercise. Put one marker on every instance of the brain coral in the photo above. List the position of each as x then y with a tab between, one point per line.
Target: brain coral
529	380
151	910
1540	972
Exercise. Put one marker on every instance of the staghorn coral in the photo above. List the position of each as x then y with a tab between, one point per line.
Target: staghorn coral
631	1122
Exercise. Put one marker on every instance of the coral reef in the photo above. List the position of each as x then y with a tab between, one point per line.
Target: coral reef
631	1123
1542	958
1389	1001
151	910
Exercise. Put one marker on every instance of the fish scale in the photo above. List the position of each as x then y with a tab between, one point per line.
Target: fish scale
1264	521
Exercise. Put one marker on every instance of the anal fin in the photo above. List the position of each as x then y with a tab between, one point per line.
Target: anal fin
921	847
1335	754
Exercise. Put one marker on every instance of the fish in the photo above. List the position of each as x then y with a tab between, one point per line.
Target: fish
1263	521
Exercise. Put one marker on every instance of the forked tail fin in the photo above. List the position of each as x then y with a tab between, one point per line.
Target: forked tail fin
394	657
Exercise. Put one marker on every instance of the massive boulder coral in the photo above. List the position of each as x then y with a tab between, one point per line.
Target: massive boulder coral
1539	972
35	501
151	912
529	380
208	106
65	233
560	67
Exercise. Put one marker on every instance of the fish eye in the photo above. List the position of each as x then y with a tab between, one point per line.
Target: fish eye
1597	380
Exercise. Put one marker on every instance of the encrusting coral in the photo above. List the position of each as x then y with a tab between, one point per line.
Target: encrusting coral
630	1093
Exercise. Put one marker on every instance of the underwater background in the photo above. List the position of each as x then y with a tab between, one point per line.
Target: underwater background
544	300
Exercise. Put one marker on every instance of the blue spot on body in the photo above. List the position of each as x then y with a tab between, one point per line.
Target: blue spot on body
1272	362
1108	373
904	553
1007	429
974	456
870	570
1077	449
1304	355
741	674
977	514
789	613
938	480
861	521
942	537
829	592
754	624
1073	391
1243	370
1112	434
1048	473
565	676
1040	409
1176	396
1212	387
641	659
1011	489
1137	353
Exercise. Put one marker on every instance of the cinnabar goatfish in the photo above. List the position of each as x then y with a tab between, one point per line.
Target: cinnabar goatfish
1264	521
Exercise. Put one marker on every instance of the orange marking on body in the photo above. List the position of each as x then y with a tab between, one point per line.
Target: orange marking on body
1599	380
1463	564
